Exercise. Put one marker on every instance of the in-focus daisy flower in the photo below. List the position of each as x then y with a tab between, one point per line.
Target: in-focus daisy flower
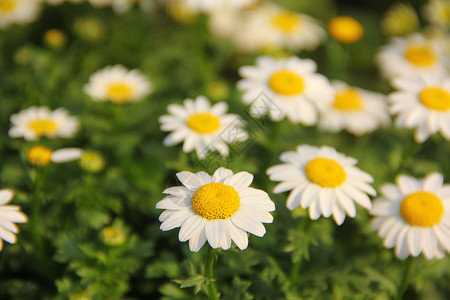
269	26
202	127
209	5
42	156
218	209
9	215
288	86
34	123
117	84
413	55
345	29
355	110
18	12
324	180
414	216
422	103
400	19
437	12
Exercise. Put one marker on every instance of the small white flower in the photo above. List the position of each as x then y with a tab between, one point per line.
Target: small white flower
356	110
18	12
288	86
218	209
414	216
410	56
422	103
9	215
324	180
202	127
210	5
117	84
36	122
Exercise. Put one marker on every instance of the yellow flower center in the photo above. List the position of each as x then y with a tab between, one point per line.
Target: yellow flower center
345	29
39	156
435	98
119	92
113	236
286	21
215	201
43	127
286	83
203	123
422	209
7	6
420	55
325	172
348	99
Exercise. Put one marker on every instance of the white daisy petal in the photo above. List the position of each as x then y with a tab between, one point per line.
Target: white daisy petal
238	236
66	154
247	223
413	238
197	241
6	196
190	180
191	227
314	210
240	181
176	219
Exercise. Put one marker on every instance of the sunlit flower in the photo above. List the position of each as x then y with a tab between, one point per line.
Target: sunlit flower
117	84
34	123
414	216
217	209
9	215
288	86
355	110
209	5
269	26
413	55
42	156
324	180
202	127
422	103
400	19
437	12
345	29
18	12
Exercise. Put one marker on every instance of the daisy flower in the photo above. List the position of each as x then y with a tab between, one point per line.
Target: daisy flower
356	110
269	26
117	84
413	55
42	156
9	215
36	122
437	12
422	103
18	12
202	127
209	5
324	180
414	216
217	209
290	86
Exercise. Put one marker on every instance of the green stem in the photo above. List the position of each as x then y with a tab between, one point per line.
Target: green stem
405	279
295	270
37	180
212	288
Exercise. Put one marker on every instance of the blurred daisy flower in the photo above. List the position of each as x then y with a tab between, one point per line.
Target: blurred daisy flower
209	5
202	127
422	103
324	180
355	110
413	55
118	85
288	86
437	12
345	29
414	216
270	26
18	12
34	123
400	19
218	209
42	156
9	215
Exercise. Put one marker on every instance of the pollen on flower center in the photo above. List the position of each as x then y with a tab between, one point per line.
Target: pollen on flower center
43	127
119	92
325	172
39	156
420	55
286	83
203	123
286	21
435	98
7	6
215	201
349	99
422	209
